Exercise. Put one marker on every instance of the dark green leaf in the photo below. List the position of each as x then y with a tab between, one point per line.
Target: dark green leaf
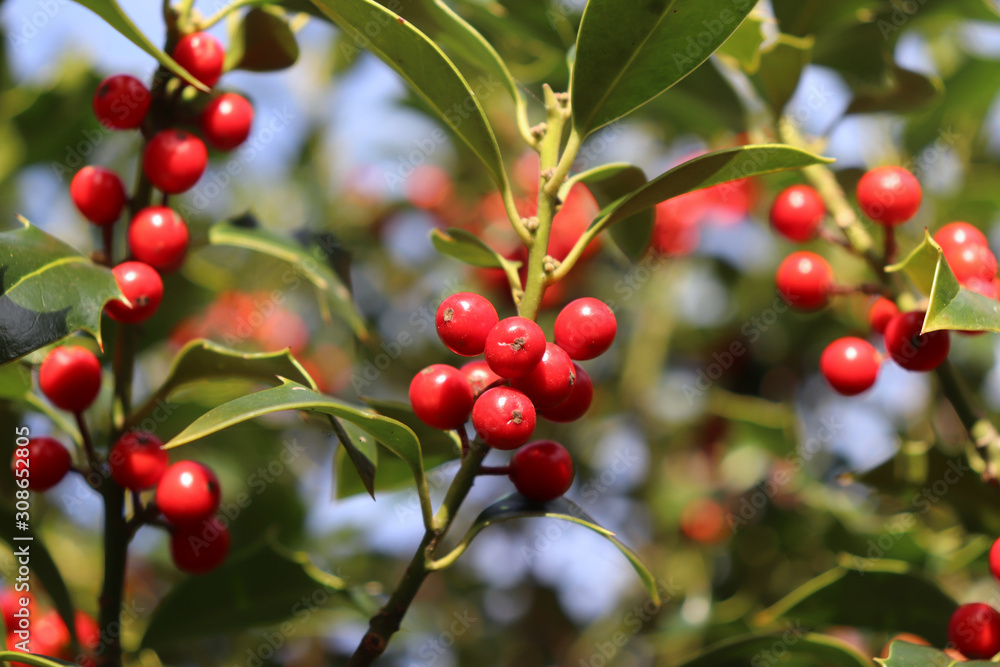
47	291
516	506
263	42
43	569
360	450
806	649
781	67
654	44
245	232
260	586
905	654
117	19
896	600
203	361
425	68
469	248
904	91
708	170
432	440
15	381
609	183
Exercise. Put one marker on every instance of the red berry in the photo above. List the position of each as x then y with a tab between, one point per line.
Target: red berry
88	632
226	121
70	377
578	402
188	493
158	237
201	547
202	55
99	194
571	221
479	375
551	381
972	262
138	460
850	365
504	418
585	328
49	637
463	321
142	286
956	235
703	520
429	187
47	463
804	280
675	231
994	563
889	195
911	349
16	606
174	160
797	212
514	347
974	629
441	396
542	471
880	312
121	102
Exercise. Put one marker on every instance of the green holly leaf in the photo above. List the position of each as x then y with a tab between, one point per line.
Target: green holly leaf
204	361
654	44
905	654
781	66
469	248
333	295
113	15
896	600
805	649
951	306
234	597
263	42
705	171
47	291
426	69
44	568
356	461
516	506
432	440
609	183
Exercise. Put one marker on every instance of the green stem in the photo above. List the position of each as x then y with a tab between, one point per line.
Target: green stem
386	623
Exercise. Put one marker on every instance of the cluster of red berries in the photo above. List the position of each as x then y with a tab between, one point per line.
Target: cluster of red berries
187	492
974	628
48	633
173	161
889	196
520	378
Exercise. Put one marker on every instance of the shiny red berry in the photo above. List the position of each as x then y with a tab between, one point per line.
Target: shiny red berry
880	312
542	471
994	560
200	547
142	286
226	121
121	102
174	160
911	349
972	262
850	365
479	375
138	460
956	235
550	382
70	377
188	493
797	213
889	195
441	396
17	607
202	55
974	629
46	464
585	328
463	321
514	347
504	418
578	402
159	237
98	194
804	280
